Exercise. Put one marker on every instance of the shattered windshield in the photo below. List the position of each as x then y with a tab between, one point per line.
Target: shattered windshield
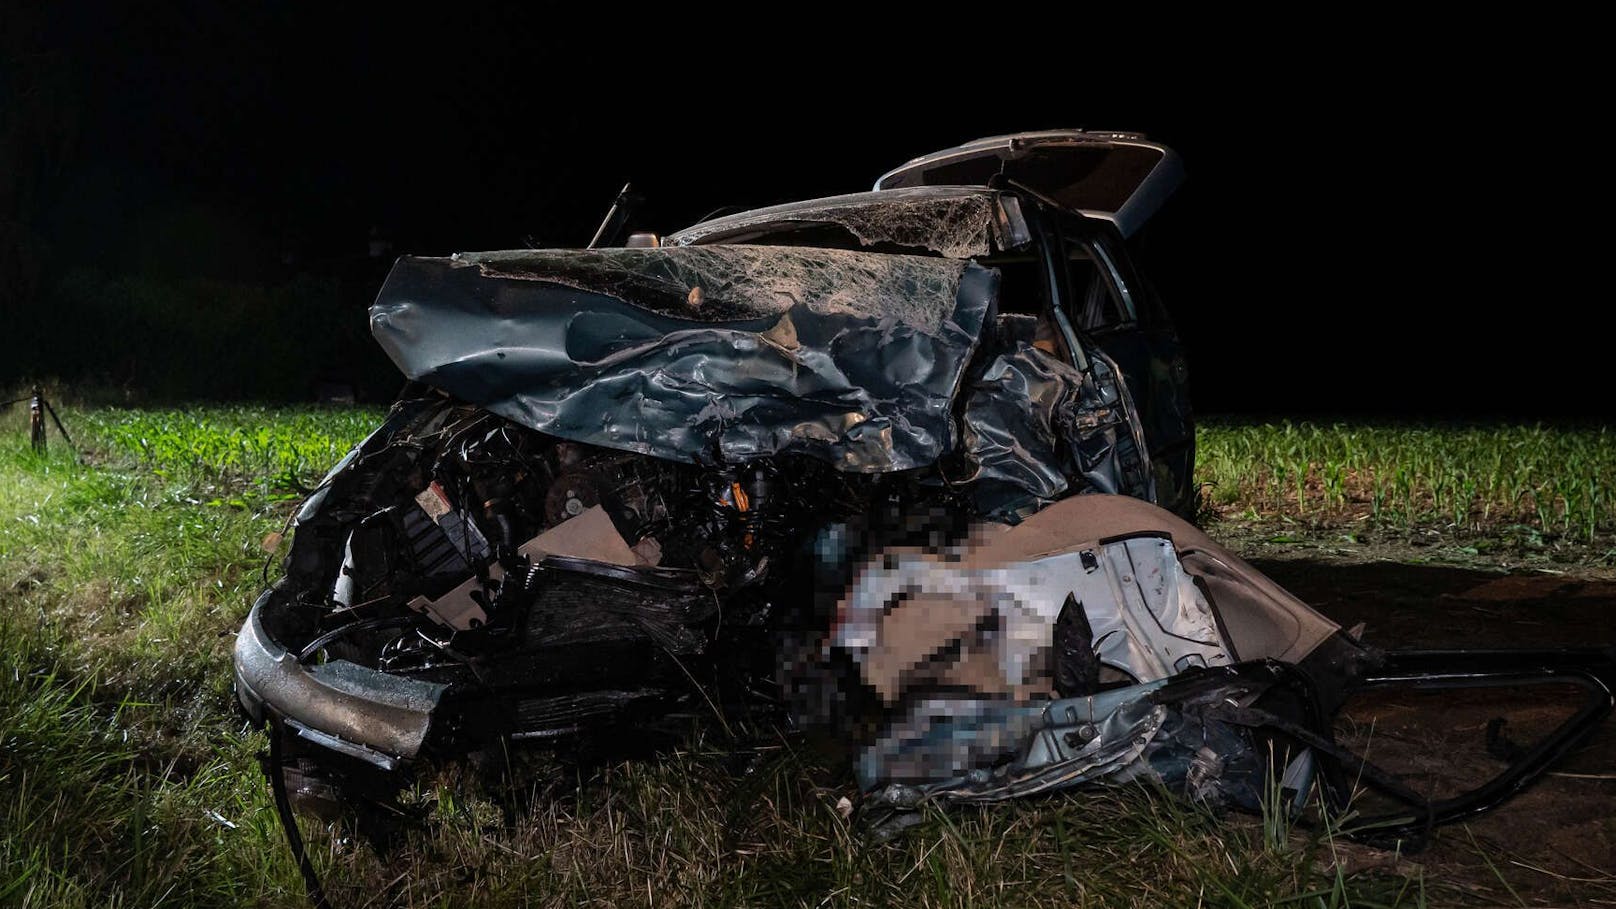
953	223
736	283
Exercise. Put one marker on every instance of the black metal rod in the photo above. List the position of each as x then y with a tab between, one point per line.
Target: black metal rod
615	217
1441	670
283	807
58	421
1451	665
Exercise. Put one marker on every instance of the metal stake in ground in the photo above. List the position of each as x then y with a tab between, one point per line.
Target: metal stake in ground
36	419
37	406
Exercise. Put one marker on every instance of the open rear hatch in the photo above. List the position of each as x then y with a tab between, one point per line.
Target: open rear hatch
1122	177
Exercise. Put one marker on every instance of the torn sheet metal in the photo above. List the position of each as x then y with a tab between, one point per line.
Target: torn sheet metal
1259	619
702	354
1193	734
967	647
954	222
944	745
1147	617
1033	424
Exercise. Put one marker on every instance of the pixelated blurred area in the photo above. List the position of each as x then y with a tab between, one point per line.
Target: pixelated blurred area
969	648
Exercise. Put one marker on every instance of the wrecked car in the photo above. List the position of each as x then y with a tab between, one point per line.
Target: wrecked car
910	463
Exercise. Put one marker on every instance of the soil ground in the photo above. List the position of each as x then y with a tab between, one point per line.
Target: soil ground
1554	844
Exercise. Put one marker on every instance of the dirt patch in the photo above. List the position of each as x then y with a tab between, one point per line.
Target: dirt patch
1554	844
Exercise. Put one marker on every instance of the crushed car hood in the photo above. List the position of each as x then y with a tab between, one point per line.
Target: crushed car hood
699	354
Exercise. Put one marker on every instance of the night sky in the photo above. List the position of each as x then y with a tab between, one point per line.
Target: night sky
1367	234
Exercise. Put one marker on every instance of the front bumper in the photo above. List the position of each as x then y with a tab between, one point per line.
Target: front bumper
341	705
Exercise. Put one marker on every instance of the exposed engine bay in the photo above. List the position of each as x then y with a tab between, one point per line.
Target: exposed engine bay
459	551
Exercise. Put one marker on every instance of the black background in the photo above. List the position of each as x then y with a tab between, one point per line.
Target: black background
1379	229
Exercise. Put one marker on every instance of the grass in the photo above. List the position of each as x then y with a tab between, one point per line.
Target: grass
119	590
268	454
127	779
1485	486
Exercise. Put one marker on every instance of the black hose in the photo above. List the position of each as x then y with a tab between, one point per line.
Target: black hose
366	625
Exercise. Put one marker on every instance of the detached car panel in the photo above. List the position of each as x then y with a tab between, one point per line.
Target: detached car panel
1121	177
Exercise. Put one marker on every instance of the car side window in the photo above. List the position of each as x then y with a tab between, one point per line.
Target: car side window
1096	303
1023	291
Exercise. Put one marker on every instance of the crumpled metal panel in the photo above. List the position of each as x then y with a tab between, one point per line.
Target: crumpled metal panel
1178	732
951	221
994	737
1032	423
1148	617
710	353
402	414
942	747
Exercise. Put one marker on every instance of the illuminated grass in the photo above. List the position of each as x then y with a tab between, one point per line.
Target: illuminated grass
260	450
1467	479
